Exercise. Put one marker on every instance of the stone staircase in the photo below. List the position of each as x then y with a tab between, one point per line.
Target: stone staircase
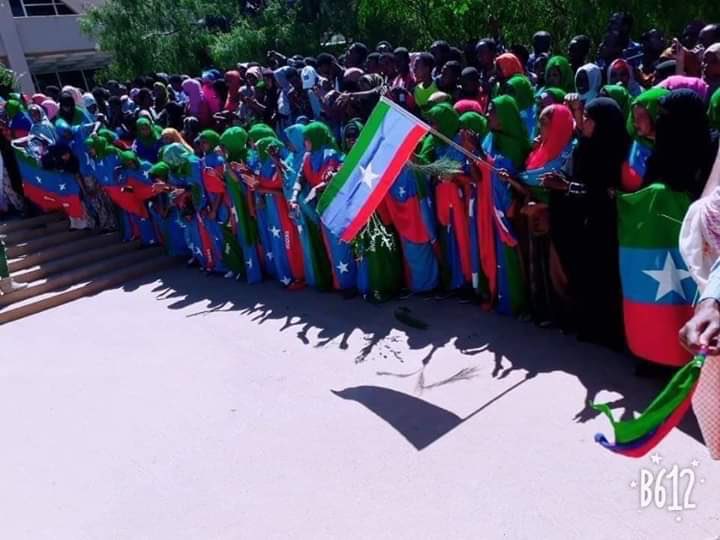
60	265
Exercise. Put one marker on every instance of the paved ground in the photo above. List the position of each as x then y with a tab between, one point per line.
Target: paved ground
193	407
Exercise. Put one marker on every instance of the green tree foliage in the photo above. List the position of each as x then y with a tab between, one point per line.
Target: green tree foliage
164	35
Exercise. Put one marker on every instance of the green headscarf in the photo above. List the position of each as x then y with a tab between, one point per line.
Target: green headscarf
558	94
211	137
129	158
620	95
109	136
155	131
259	131
520	87
445	119
159	170
650	101
178	158
319	135
512	139
234	140
100	146
474	122
567	80
714	110
12	107
263	146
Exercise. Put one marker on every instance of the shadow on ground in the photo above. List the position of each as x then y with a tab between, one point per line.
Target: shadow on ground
331	320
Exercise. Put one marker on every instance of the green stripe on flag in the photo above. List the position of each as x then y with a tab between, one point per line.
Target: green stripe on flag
353	158
651	218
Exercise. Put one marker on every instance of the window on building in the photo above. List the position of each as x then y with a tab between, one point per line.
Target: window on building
39	8
85	79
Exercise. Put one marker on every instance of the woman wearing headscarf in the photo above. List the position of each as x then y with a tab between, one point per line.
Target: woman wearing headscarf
550	96
553	149
641	127
160	97
683	82
165	214
622	73
619	95
208	91
520	88
41	126
322	161
186	176
233	142
559	74
507	65
191	130
507	148
376	247
74	92
70	111
452	199
136	187
18	121
171	116
278	235
588	81
316	262
583	223
148	140
172	135
51	108
217	212
684	147
197	106
234	82
89	104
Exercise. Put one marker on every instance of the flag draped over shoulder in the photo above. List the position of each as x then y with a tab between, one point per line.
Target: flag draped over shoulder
635	438
49	190
658	292
383	147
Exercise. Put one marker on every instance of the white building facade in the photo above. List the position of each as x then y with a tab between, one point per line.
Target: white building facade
41	40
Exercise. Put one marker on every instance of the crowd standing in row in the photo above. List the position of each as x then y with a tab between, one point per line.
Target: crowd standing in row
227	168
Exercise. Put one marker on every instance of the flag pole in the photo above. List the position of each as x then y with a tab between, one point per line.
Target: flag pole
464	151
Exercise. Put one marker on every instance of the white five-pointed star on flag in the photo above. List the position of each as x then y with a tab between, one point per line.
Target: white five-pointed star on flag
342	267
368	175
286	281
249	263
669	279
401	191
39	180
275	231
269	255
62	187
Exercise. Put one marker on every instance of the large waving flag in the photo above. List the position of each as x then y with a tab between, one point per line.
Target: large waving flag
658	292
383	147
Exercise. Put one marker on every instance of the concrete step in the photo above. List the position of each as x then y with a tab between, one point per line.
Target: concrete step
66	279
20	224
23	235
86	288
49	268
56	252
48	241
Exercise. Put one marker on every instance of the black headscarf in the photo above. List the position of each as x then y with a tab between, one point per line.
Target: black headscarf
597	160
67	108
684	149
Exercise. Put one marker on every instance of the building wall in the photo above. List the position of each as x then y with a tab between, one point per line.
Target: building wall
46	44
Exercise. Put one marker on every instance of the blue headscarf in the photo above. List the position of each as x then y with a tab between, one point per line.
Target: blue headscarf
43	128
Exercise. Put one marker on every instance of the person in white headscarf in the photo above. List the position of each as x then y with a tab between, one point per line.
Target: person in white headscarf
588	81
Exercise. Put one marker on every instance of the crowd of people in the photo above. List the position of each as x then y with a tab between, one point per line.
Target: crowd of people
227	168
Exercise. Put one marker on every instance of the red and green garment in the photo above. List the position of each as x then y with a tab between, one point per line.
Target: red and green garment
635	438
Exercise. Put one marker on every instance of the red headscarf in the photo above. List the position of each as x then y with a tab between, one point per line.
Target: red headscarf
468	105
508	65
560	134
234	81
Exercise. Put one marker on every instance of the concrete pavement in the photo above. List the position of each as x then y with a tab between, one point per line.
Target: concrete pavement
195	407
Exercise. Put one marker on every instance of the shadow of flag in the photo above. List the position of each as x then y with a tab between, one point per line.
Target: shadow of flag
420	422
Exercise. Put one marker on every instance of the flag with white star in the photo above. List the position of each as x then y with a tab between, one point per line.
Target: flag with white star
658	291
383	147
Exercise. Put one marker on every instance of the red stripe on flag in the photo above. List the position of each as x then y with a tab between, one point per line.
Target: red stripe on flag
391	173
652	331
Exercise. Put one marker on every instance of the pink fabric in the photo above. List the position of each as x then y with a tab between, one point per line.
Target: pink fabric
211	97
38	99
76	94
678	82
51	108
710	220
468	105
